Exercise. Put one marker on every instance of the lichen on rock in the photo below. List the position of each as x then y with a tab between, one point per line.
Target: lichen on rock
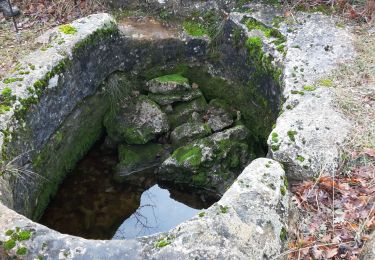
136	121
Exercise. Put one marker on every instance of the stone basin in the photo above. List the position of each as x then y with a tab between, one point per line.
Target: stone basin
56	114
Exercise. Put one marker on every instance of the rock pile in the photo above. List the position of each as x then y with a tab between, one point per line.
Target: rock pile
172	128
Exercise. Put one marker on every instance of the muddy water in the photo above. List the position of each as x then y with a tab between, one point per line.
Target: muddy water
90	205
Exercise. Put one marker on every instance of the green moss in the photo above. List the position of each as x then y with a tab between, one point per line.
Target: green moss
11	80
200	179
254	44
4	108
297	92
163	242
194	28
283	234
23	235
282	190
188	154
67	29
173	78
259	114
95	38
134	155
223	209
275	137
56	159
201	214
286	184
300	158
275	147
9	244
253	24
309	88
291	135
326	83
277	20
31	66
21	251
9	232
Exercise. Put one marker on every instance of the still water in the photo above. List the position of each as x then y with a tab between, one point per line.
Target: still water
90	204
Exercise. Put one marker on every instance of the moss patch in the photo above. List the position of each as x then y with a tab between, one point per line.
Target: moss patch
67	29
188	154
194	28
177	78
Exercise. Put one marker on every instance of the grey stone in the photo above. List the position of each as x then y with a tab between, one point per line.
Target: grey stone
212	162
166	99
137	121
7	10
217	117
368	251
168	84
239	226
183	112
136	159
188	132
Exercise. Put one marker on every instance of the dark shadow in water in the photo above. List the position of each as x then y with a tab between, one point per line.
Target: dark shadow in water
90	204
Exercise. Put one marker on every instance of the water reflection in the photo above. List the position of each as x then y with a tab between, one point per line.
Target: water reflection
89	204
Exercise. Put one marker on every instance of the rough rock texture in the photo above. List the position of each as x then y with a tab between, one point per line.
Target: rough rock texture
369	249
218	117
173	7
137	122
188	132
309	132
212	162
241	222
167	99
49	84
247	223
168	84
136	159
183	112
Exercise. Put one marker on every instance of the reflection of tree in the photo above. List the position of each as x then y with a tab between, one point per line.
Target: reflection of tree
142	221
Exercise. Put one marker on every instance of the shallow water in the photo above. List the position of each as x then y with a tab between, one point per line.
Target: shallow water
89	204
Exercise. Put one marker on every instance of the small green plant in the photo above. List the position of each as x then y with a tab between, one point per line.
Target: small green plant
201	214
9	244
291	135
11	80
275	137
67	29
223	209
162	242
194	28
283	234
326	83
309	88
21	251
282	190
297	92
300	158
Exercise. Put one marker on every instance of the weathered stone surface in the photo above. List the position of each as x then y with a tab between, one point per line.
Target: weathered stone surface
212	162
311	129
137	122
136	159
309	132
166	99
168	84
188	132
369	249
239	226
183	112
217	116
